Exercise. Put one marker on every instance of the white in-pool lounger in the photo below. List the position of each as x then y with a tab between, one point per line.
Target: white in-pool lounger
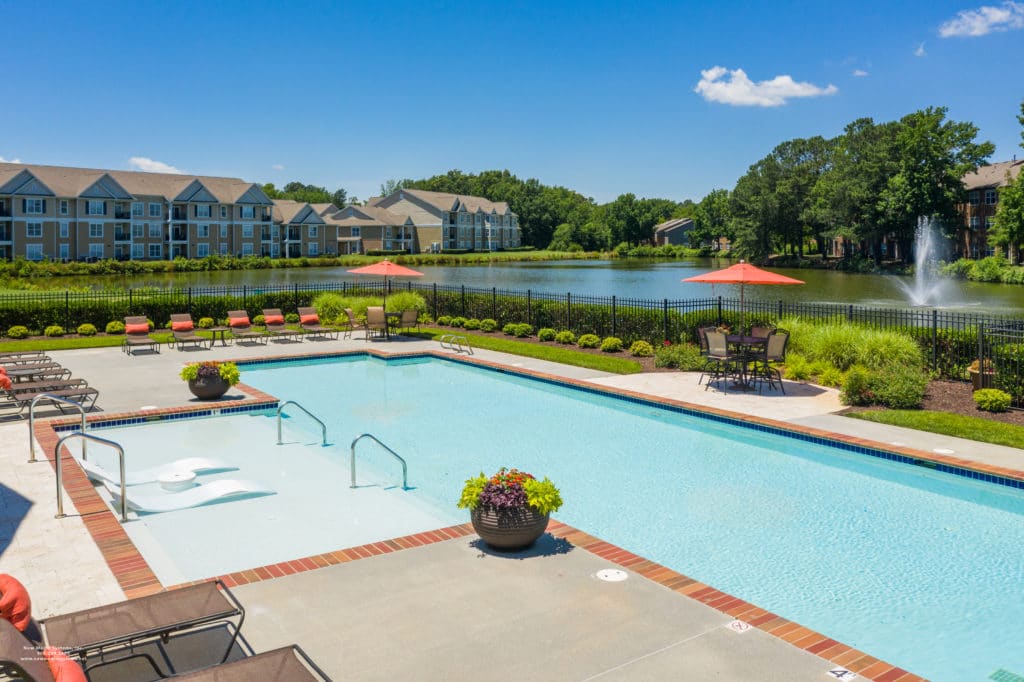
197	465
214	491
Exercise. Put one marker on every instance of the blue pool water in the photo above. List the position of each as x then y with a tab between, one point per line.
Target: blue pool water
920	568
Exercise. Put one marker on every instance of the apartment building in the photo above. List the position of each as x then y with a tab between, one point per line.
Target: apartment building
979	210
368	228
451	221
301	231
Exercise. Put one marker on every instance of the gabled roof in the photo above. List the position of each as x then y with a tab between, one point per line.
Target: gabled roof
360	216
22	181
673	224
992	175
295	213
61	181
324	209
449	202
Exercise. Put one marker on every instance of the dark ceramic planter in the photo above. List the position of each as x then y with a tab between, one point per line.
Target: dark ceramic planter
209	388
508	529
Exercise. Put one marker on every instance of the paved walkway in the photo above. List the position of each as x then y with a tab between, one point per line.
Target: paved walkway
437	611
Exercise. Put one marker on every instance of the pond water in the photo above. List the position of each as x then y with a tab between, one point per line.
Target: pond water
623	278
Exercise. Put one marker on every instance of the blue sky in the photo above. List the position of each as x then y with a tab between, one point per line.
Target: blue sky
600	97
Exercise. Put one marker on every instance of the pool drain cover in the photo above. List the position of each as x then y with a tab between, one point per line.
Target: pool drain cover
612	575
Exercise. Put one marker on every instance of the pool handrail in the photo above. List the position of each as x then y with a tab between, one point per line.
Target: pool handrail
280	408
59	466
32	421
454	342
405	469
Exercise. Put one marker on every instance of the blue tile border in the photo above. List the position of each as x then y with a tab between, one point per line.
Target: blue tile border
197	413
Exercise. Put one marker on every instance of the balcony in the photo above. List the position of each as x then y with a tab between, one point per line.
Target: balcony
294	235
178	234
122	214
5	233
5	211
265	218
122	235
179	213
265	235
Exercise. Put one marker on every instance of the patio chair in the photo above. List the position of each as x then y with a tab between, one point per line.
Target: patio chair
309	320
241	328
73	389
136	335
273	319
376	321
702	341
774	351
353	324
183	330
761	332
17	357
286	664
722	362
410	318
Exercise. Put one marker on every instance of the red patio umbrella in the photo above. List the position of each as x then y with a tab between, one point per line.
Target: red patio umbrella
742	273
387	269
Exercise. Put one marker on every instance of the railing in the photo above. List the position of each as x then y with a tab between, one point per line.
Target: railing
5	211
179	214
405	481
5	235
122	215
456	343
32	420
280	409
60	481
122	236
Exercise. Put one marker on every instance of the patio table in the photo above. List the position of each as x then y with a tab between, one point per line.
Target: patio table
747	348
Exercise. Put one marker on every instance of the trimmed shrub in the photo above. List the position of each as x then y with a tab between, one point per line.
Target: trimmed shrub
899	387
291	318
471	323
115	327
259	320
857	387
54	330
458	322
488	325
509	329
611	345
992	400
682	356
86	329
523	330
566	337
589	341
205	322
444	321
17	332
641	349
546	334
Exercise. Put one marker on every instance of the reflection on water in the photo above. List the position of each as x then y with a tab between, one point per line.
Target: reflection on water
625	279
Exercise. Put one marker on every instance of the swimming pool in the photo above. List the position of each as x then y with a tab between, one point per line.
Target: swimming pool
914	566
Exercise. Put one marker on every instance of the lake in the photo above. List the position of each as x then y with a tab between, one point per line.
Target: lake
623	278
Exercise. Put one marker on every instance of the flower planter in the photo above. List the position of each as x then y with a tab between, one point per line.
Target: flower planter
979	380
508	529
208	388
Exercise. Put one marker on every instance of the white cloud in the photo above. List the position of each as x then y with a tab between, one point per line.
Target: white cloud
971	23
739	90
3	160
277	167
919	52
151	166
860	73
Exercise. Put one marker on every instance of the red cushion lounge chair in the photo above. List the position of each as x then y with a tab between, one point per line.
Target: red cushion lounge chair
136	335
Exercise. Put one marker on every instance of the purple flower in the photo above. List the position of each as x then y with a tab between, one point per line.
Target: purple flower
503	497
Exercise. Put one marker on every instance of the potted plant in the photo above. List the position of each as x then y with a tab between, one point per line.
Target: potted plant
510	509
981	373
210	380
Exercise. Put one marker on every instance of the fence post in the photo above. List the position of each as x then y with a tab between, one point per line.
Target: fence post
130	304
568	310
935	338
849	313
435	301
664	308
719	311
245	297
67	310
529	307
981	346
779	317
494	302
614	321
190	300
296	295
463	312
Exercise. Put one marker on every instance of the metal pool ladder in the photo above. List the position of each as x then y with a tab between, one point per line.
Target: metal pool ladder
96	439
455	342
405	481
32	420
280	408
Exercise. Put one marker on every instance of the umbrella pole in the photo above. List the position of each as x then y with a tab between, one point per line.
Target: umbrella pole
743	310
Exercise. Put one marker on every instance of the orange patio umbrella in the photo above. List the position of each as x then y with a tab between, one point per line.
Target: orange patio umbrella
387	269
742	273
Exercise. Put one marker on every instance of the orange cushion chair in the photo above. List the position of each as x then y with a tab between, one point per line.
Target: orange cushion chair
63	667
15	604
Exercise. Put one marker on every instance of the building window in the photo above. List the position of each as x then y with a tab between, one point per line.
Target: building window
202	250
990	197
34	251
137	251
247	231
203	231
356	231
246	249
313	231
223	249
136	209
223	231
96	251
34	206
972	196
247	212
63	206
223	212
155	211
313	249
203	211
975	222
95	230
137	231
33	229
155	230
95	207
64	229
63	251
156	250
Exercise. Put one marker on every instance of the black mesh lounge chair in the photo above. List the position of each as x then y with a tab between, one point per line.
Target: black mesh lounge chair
273	319
241	328
135	337
69	389
183	331
13	357
288	664
18	657
309	320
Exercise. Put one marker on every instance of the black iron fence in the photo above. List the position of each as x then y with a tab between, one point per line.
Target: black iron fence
950	340
1001	359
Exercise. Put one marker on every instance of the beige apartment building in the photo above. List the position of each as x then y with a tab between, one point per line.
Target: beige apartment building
61	213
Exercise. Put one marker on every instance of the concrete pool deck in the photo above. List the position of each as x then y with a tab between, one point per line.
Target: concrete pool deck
431	603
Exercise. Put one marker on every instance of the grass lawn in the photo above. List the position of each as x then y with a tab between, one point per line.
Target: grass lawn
961	426
604	363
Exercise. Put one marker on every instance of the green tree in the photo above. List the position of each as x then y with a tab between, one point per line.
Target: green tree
712	219
1008	229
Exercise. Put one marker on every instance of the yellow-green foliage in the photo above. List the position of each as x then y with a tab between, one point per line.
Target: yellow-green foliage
844	345
404	300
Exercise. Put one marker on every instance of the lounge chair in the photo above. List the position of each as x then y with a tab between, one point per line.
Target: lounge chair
241	328
309	320
288	664
136	335
196	465
353	324
214	491
273	319
16	355
376	321
73	390
183	330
